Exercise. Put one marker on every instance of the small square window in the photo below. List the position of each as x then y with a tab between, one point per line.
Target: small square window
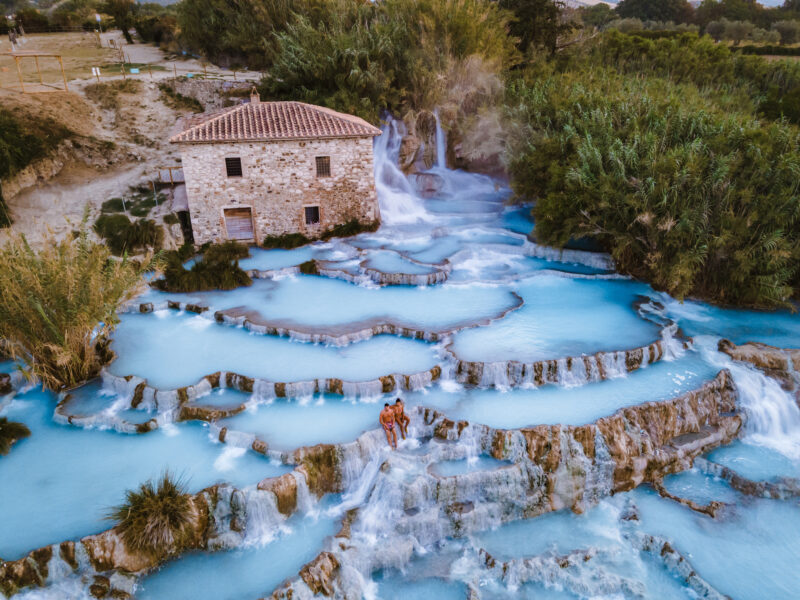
233	166
323	166
312	215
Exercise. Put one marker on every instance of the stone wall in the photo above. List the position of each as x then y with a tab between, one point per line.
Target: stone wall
278	180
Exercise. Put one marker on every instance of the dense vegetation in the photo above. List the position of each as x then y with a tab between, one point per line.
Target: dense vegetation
59	305
287	241
216	269
158	519
673	172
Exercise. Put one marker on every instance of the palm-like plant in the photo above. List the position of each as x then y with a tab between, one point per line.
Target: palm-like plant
11	432
158	518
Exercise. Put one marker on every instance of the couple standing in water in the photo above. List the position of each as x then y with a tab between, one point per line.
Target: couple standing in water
391	416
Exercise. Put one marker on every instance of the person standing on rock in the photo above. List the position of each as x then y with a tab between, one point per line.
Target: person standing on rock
400	417
387	422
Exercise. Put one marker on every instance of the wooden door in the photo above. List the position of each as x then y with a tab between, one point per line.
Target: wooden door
239	223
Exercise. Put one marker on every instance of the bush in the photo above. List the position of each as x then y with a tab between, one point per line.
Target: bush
217	269
107	94
178	101
309	268
171	219
59	304
287	241
125	236
158	519
770	50
364	58
697	200
11	432
352	227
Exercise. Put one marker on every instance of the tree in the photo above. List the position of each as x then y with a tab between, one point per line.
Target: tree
716	29
59	305
678	11
537	23
789	31
736	31
597	15
733	10
122	11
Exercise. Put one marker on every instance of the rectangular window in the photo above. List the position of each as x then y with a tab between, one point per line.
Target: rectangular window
323	166
312	215
233	166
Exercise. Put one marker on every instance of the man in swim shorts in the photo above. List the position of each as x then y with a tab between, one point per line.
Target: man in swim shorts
387	421
400	417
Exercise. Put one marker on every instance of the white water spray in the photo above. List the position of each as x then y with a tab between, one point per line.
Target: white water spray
398	199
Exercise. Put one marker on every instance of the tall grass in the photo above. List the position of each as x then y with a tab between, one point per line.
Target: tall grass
364	58
697	200
58	305
158	519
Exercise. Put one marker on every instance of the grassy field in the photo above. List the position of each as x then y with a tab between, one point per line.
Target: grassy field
79	51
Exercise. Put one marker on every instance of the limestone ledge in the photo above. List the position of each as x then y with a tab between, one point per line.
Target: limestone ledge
782	364
554	467
185	403
334	335
597	260
574	369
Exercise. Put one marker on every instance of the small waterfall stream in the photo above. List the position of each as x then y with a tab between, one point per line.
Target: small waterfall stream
773	416
398	199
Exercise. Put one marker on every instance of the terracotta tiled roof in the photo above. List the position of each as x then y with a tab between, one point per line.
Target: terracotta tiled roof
272	121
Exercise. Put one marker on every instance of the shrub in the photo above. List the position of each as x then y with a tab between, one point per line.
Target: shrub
364	58
217	269
125	236
309	268
11	432
107	94
170	219
352	227
158	519
287	241
178	101
697	200
59	304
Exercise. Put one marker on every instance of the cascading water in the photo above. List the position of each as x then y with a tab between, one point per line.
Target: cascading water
398	199
773	417
441	143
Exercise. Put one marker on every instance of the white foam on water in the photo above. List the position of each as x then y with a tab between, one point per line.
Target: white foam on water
227	459
773	417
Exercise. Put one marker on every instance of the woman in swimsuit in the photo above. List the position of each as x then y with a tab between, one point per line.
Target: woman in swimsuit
387	421
400	417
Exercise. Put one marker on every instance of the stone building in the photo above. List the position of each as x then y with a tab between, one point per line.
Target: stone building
271	168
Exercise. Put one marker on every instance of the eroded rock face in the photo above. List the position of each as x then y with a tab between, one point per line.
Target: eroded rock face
320	466
782	364
285	490
318	573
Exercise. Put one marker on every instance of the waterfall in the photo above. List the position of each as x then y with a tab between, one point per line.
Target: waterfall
441	143
398	199
773	417
263	518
